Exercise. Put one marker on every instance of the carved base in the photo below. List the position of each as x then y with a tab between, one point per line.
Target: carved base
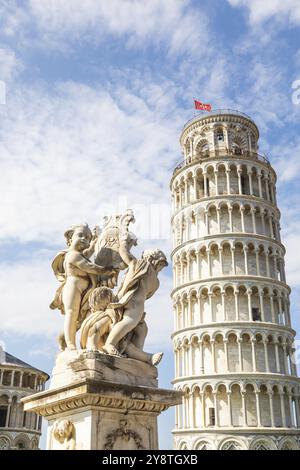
92	413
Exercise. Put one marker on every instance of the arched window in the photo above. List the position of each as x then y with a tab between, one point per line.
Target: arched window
220	135
3	411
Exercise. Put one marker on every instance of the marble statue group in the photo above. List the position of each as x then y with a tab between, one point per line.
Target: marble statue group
108	322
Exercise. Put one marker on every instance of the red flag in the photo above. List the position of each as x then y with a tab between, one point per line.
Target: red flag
202	106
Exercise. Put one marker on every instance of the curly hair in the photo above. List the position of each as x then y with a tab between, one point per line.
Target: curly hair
155	256
69	233
100	295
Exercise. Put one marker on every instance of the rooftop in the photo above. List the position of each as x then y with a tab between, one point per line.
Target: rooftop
8	359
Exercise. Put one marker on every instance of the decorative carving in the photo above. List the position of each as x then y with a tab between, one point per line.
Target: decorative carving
109	324
64	433
101	401
4	443
123	434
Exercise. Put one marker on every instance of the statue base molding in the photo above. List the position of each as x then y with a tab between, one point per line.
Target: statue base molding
101	402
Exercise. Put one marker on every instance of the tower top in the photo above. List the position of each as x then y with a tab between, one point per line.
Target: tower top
219	116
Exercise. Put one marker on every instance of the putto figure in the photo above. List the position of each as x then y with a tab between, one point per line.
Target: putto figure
109	323
140	283
78	277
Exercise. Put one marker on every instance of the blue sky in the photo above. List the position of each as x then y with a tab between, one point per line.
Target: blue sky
97	93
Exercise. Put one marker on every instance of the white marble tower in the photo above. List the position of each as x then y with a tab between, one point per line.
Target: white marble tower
233	338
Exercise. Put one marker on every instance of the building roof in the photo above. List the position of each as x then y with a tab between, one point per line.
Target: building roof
8	359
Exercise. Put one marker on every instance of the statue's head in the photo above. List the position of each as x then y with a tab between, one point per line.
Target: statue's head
100	298
78	236
156	257
63	429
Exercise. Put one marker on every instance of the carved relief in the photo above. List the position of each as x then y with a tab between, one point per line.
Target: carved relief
121	437
64	433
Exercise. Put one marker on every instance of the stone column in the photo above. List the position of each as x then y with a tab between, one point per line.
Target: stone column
266	356
236	293
216	182
8	412
286	367
221	261
267	189
261	303
259	185
267	263
205	183
233	259
230	219
207	222
200	310
242	211
246	249
223	305
230	408
239	341
283	409
209	262
291	410
195	187
250	182
210	294
202	394
201	356
226	354
277	357
258	408
244	409
219	219
217	421
213	353
198	260
249	293
239	172
228	180
271	409
272	308
253	220
257	261
186	191
254	367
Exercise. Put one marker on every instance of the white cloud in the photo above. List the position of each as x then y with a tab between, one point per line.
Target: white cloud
26	291
66	154
59	23
261	11
9	64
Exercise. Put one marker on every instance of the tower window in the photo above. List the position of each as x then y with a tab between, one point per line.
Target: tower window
3	414
220	136
256	316
212	417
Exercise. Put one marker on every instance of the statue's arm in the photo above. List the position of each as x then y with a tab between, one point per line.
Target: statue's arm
125	254
85	265
90	250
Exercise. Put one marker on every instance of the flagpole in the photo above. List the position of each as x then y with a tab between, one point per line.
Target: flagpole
194	106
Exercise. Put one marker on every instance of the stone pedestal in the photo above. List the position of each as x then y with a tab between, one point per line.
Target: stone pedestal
96	401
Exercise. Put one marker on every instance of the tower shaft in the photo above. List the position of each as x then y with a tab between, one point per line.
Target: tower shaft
233	339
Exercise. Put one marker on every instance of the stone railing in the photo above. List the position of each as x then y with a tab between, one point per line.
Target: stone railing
236	152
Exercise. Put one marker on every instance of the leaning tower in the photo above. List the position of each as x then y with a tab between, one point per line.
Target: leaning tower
233	338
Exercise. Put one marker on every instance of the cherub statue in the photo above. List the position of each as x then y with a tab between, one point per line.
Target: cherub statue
99	323
140	283
78	277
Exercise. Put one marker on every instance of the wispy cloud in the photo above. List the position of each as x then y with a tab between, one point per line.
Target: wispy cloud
178	27
260	11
